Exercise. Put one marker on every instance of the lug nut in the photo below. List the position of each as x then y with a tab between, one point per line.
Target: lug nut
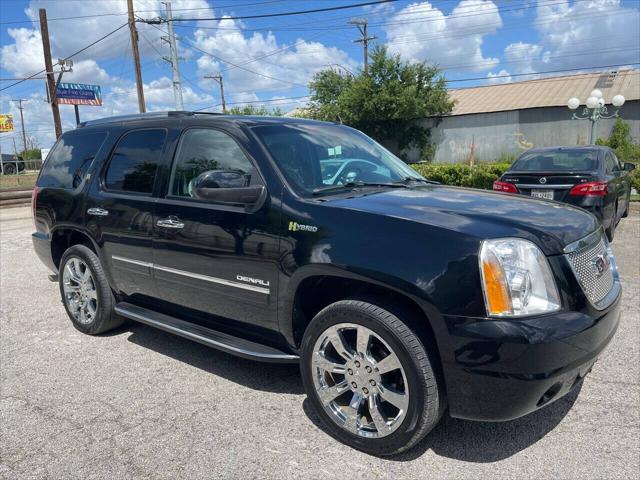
365	391
357	363
354	384
349	371
372	382
368	369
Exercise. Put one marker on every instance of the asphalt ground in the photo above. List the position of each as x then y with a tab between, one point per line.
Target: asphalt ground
141	403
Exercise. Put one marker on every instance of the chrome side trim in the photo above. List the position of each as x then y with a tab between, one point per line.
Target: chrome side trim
584	242
130	260
544	186
207	278
198	276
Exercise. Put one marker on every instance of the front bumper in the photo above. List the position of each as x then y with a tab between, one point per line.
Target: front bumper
504	369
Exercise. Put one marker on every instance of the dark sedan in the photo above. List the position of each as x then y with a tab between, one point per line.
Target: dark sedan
590	177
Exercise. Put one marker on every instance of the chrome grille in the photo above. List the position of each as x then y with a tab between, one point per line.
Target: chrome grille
594	269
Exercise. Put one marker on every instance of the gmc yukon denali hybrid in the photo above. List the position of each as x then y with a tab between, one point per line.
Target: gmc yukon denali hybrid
290	240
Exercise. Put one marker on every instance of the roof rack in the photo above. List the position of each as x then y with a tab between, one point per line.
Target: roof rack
143	116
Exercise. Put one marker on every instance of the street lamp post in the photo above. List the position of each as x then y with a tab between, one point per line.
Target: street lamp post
595	109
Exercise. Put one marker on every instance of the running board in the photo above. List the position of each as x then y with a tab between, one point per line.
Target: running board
206	336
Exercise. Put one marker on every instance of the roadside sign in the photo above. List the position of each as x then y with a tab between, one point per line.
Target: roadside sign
6	122
78	94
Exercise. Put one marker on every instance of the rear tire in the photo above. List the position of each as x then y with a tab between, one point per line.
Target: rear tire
9	169
402	401
85	291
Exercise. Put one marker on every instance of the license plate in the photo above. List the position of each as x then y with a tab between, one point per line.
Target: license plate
546	194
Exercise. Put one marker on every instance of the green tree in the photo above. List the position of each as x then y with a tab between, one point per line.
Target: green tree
255	110
620	141
386	104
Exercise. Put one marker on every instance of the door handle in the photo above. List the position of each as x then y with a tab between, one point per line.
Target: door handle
170	222
98	212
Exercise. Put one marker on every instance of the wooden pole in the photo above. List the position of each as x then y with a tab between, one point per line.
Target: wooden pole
48	64
136	56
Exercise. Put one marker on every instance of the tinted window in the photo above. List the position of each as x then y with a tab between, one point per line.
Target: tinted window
612	163
314	156
70	159
204	150
135	161
565	160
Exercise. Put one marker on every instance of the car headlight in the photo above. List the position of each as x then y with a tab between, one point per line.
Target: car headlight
516	279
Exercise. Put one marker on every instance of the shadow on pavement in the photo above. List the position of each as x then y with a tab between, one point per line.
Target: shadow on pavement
481	442
275	378
478	442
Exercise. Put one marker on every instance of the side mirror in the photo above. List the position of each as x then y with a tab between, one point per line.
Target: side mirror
629	166
221	179
229	187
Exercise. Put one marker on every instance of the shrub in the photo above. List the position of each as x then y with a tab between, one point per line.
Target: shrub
627	151
479	176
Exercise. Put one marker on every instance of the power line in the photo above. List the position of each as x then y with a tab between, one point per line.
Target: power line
285	14
194	47
543	73
233	5
67	58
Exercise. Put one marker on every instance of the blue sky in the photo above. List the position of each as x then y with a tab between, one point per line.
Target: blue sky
272	59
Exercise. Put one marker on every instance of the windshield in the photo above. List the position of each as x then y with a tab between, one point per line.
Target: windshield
560	161
316	156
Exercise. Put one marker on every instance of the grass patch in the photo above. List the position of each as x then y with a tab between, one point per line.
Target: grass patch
635	198
27	180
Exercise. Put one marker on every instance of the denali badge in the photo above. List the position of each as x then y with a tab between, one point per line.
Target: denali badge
295	226
600	264
255	281
543	180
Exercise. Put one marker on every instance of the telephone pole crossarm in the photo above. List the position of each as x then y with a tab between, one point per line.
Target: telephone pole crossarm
362	25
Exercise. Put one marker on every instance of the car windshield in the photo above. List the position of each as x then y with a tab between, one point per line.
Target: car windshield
559	161
315	157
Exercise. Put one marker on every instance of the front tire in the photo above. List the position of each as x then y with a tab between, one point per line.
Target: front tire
85	291
369	378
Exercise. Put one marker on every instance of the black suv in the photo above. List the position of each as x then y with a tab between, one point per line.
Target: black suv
289	240
590	177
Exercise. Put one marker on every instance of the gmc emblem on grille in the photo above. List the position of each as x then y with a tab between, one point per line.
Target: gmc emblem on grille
600	264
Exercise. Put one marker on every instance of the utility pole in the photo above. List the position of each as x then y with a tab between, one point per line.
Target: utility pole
173	60
136	56
51	82
24	135
362	27
218	78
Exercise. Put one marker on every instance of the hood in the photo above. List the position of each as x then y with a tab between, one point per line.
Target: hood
481	213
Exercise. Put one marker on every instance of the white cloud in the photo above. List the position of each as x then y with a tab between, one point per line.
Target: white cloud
295	62
24	56
579	35
502	76
422	32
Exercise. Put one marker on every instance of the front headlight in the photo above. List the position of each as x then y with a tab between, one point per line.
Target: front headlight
516	279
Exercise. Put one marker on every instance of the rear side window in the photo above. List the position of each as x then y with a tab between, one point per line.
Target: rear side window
135	161
612	163
70	159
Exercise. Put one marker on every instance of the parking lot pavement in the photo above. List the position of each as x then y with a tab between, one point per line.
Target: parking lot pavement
140	403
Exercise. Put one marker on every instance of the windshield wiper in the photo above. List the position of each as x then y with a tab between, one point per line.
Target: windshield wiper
357	184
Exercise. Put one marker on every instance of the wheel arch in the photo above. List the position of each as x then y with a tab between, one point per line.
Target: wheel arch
317	287
64	237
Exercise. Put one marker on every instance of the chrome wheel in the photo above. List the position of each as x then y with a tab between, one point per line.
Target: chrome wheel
80	292
359	380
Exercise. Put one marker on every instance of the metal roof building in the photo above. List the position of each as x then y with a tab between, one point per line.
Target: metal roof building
508	118
545	92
